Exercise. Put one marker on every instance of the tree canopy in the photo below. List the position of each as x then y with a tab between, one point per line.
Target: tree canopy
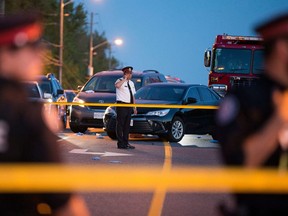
76	37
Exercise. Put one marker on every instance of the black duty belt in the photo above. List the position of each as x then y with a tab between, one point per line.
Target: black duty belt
121	102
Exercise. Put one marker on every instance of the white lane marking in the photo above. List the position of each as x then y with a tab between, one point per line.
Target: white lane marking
103	154
202	141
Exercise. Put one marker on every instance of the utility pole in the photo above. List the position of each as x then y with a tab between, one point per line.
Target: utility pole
61	41
62	5
110	58
92	48
90	66
2	7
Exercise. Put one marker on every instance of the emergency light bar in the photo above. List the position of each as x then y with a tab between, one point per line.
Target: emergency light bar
243	38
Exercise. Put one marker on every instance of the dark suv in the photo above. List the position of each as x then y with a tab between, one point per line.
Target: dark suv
50	84
100	88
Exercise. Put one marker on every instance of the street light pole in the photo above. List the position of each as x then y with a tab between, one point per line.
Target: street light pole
117	42
91	50
90	66
62	5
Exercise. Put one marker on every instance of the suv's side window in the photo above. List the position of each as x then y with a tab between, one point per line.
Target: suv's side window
151	79
146	81
162	78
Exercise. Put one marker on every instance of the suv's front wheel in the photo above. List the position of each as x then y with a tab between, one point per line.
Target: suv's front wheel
77	129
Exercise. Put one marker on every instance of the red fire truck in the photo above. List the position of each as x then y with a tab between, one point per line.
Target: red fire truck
234	61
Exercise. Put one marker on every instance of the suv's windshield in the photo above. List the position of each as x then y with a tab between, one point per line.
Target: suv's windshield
107	84
170	93
101	84
32	90
45	86
236	61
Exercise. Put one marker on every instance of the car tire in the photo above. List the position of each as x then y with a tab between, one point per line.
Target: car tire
177	130
112	135
78	129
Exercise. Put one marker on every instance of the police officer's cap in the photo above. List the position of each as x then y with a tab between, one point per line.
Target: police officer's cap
274	28
20	30
127	69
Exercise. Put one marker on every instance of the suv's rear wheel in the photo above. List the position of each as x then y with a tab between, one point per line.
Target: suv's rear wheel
77	129
176	132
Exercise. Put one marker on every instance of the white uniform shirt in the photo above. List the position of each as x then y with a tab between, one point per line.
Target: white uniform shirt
123	93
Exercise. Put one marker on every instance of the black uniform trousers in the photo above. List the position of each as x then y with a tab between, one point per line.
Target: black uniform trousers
123	124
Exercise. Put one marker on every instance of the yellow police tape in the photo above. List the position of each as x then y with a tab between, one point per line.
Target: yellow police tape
61	178
135	105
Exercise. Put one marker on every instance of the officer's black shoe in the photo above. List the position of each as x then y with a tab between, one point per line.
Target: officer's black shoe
130	146
122	147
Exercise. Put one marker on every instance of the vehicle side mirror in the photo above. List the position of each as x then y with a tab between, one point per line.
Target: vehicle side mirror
207	58
191	100
47	96
60	91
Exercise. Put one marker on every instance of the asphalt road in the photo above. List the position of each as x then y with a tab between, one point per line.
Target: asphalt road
95	148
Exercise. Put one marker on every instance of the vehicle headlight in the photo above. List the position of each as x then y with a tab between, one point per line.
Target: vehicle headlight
159	112
49	100
77	100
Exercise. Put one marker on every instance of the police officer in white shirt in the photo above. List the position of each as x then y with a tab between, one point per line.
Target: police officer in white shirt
125	91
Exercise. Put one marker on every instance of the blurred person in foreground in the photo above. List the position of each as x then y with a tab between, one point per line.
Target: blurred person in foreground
252	121
25	135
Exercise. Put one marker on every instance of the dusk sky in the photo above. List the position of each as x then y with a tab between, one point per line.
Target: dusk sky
171	35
